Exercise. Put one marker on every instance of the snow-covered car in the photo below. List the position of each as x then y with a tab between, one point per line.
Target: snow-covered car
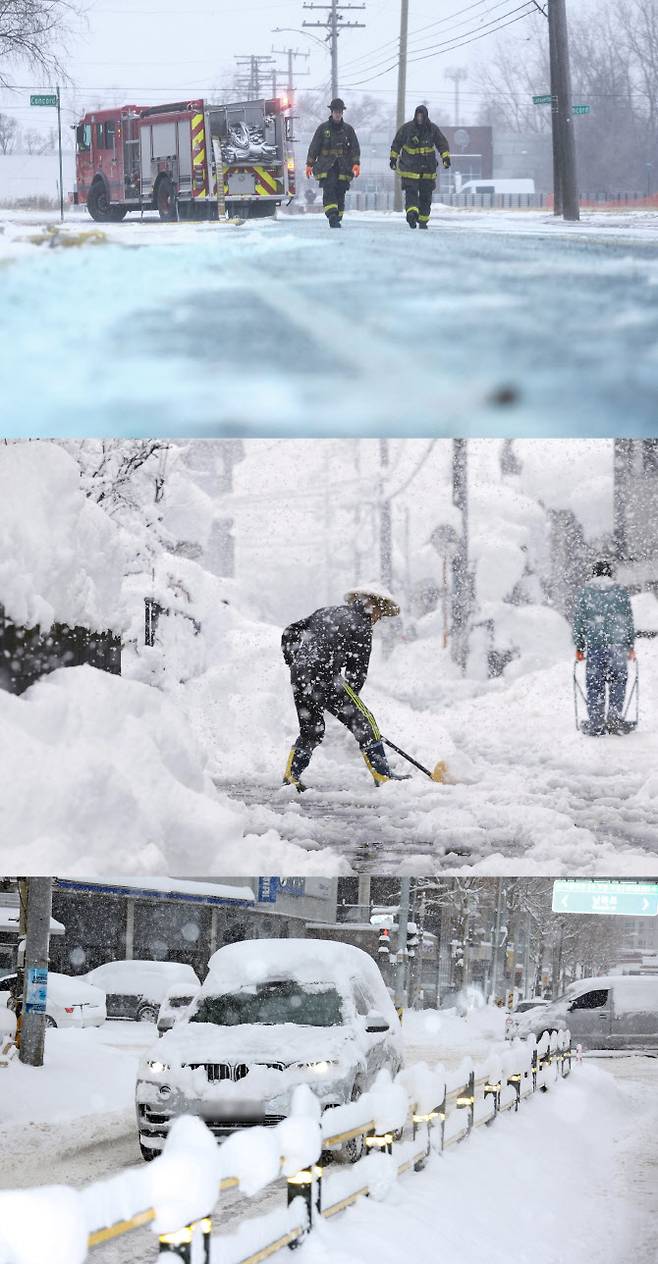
614	1011
70	1002
135	989
174	1004
523	1007
270	1015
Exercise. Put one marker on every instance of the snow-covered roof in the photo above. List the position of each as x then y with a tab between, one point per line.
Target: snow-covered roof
9	921
164	888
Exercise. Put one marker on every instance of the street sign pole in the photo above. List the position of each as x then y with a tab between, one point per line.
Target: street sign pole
61	164
53	101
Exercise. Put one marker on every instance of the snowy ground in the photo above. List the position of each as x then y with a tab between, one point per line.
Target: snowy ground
572	1175
280	327
529	794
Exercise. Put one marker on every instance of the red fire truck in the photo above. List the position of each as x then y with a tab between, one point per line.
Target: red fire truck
186	160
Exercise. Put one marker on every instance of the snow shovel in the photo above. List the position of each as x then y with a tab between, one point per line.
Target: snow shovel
440	769
632	699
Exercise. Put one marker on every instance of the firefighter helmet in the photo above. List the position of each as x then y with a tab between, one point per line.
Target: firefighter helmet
337	104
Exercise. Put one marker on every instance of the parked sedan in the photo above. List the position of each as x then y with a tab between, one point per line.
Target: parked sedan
174	1004
136	989
272	1014
70	1002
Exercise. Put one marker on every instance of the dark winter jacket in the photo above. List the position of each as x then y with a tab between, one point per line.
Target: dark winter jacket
333	145
603	616
415	148
333	641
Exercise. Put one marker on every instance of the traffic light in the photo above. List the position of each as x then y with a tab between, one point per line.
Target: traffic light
384	942
413	939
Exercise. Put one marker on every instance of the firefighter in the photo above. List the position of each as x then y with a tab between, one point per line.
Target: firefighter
413	156
604	635
333	158
328	655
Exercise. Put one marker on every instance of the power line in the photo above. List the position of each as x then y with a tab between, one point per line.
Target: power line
334	24
452	47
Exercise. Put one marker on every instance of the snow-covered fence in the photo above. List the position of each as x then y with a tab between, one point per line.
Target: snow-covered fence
26	654
396	1126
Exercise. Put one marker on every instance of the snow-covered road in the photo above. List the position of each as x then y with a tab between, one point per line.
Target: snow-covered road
284	327
530	793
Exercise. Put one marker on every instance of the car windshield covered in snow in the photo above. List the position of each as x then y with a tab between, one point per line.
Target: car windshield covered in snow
282	1001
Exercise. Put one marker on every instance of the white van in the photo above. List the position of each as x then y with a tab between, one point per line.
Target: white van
482	188
615	1011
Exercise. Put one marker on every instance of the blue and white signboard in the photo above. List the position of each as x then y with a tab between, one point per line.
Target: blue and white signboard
270	888
36	988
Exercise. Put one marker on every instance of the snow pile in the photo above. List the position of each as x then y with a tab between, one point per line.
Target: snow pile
102	774
61	557
42	1224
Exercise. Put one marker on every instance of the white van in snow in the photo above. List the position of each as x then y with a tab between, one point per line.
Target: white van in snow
615	1011
482	188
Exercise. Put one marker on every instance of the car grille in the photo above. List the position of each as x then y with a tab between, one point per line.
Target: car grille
234	1071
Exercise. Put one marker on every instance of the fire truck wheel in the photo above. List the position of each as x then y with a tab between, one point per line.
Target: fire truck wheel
97	203
165	199
117	213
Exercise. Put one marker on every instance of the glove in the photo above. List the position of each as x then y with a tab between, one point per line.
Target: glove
446	161
356	170
309	171
393	163
580	657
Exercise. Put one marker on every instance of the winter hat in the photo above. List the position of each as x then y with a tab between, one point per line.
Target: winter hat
603	567
422	109
376	595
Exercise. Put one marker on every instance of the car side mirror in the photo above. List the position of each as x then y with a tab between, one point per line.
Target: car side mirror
376	1022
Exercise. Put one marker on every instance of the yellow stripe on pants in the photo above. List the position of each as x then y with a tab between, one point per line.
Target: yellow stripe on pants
363	709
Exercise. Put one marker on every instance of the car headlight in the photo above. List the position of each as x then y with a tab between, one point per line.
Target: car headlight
158	1067
318	1068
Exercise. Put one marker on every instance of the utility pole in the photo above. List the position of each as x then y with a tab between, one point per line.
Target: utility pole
291	54
251	71
496	945
461	580
37	939
385	520
457	74
333	24
402	89
564	141
401	964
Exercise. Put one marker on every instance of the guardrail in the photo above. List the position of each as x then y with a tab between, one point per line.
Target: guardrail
181	1187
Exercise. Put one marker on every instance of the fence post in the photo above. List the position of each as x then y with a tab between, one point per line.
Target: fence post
493	1090
307	1185
535	1068
180	1242
466	1100
515	1080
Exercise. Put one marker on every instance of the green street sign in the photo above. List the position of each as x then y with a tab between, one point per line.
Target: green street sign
43	99
621	899
581	109
542	100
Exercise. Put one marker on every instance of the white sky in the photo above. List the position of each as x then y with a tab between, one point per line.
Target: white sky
158	50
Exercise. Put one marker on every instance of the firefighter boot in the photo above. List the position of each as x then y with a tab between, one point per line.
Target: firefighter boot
412	217
334	219
377	764
422	223
298	759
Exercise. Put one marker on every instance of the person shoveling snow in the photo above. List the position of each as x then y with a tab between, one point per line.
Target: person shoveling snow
328	655
604	635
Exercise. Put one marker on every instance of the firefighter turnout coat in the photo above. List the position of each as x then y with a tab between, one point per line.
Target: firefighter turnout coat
334	146
414	148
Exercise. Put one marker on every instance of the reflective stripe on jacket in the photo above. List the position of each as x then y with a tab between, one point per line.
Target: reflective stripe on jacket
415	149
334	144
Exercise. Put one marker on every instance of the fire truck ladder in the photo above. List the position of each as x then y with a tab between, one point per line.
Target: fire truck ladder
219	177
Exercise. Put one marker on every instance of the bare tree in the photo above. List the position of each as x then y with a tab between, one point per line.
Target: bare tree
33	31
8	134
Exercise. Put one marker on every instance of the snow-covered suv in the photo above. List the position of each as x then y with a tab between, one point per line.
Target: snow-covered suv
271	1014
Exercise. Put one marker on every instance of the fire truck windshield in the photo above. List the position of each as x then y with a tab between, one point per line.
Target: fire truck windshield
83	136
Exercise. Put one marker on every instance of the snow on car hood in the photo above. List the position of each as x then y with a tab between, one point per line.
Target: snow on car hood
252	1043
